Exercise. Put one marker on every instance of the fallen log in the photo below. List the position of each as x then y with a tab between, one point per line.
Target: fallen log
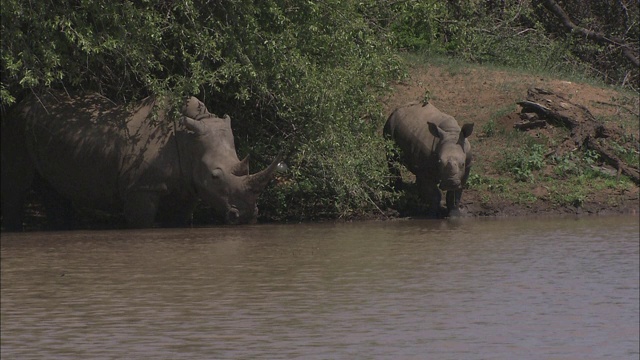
530	124
586	131
609	158
547	113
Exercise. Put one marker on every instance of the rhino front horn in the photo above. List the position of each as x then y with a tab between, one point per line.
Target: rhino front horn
258	181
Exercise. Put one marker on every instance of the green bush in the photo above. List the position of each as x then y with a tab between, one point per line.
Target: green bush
301	78
522	162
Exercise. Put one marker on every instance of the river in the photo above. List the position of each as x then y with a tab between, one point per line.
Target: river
412	289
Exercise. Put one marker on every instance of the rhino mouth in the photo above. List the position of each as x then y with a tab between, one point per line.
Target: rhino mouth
449	185
235	217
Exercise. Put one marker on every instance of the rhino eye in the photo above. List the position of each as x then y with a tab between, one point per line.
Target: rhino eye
216	174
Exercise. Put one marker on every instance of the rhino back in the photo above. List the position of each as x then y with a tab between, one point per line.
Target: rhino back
407	125
87	148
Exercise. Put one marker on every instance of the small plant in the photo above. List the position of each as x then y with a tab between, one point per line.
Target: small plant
566	165
489	128
628	155
583	165
475	180
522	162
574	197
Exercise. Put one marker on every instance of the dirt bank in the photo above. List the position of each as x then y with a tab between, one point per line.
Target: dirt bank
488	98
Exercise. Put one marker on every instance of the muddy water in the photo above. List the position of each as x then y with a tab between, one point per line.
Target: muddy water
474	289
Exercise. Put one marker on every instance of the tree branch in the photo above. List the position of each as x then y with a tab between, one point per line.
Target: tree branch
553	6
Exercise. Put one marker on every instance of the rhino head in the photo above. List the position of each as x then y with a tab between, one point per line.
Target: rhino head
219	177
453	155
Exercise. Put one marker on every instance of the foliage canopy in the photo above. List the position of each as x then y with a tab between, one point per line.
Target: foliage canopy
299	77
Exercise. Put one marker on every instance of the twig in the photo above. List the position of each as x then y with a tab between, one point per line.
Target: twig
617	105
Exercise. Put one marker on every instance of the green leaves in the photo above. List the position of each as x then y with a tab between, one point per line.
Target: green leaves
298	76
523	161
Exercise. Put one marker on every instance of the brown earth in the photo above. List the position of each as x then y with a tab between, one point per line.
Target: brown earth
482	95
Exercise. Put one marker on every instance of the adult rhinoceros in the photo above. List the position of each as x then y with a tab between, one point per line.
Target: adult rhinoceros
434	148
138	159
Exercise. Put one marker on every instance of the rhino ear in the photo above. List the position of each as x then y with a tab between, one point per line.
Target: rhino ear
467	129
435	130
196	126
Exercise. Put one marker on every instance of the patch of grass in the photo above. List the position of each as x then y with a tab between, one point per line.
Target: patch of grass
489	185
576	164
522	162
574	198
524	198
575	190
476	180
489	128
427	56
628	155
457	65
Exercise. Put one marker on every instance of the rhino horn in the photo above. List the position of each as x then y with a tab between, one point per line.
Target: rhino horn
241	168
258	181
196	126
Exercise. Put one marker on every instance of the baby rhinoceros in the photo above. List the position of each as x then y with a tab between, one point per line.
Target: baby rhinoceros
142	160
435	149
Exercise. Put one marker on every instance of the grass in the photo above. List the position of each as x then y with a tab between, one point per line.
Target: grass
522	163
534	169
456	66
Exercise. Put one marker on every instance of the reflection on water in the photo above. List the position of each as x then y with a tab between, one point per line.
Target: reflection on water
473	289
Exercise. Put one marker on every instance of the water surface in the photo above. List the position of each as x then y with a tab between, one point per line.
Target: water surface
469	289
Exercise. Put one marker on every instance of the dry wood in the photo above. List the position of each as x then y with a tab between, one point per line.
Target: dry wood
585	130
547	113
527	125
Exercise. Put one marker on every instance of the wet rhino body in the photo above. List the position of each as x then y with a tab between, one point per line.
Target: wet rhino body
139	159
434	148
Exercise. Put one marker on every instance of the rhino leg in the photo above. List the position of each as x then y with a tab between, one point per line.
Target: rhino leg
12	208
431	194
17	176
140	208
60	212
176	213
453	201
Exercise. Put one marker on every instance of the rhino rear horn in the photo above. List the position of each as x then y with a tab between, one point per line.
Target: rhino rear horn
258	181
196	126
241	168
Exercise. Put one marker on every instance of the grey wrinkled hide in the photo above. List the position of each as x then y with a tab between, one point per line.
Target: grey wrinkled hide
434	148
135	159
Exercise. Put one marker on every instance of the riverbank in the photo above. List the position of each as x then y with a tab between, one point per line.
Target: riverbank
515	173
534	172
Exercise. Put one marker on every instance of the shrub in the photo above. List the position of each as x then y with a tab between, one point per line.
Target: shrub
300	78
522	162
